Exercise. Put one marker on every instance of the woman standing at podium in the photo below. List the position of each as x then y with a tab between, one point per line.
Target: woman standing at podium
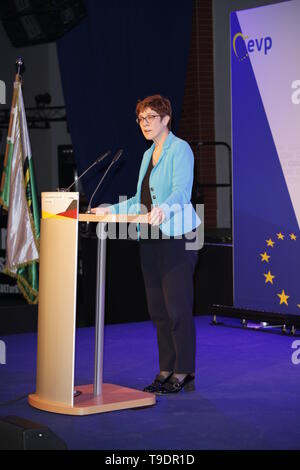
163	191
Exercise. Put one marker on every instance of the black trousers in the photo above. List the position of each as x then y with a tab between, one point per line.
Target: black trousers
168	270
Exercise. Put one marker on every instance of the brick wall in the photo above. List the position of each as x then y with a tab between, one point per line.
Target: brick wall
197	118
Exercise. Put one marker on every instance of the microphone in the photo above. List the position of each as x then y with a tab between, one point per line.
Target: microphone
114	160
99	159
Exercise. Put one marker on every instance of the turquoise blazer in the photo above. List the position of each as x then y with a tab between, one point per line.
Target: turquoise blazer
171	182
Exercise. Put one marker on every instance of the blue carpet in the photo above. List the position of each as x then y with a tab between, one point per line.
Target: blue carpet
247	391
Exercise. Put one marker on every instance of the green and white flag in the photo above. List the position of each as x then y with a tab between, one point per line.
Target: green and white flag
19	197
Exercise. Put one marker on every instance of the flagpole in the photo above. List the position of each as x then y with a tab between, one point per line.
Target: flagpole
20	67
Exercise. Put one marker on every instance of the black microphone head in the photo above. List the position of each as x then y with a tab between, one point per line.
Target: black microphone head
117	156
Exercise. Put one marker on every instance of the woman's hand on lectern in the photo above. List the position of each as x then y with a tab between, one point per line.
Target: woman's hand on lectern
156	216
101	210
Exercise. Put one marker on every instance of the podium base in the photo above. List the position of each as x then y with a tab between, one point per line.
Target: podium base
113	398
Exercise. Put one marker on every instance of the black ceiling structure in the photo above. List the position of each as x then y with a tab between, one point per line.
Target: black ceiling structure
31	22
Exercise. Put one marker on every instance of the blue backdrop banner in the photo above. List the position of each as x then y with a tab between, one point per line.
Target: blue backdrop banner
122	52
266	157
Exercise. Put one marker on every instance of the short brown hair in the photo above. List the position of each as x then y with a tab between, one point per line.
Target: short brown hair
158	103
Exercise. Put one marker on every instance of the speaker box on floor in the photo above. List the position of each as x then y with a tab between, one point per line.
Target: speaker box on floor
20	434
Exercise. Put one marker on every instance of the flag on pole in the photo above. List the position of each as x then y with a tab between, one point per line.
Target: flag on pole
19	197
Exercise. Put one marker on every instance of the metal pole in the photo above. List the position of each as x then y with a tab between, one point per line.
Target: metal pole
100	309
20	67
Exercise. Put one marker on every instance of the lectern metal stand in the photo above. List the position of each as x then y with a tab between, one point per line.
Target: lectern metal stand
100	310
57	315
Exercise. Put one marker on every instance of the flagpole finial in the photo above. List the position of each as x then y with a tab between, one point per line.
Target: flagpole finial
20	66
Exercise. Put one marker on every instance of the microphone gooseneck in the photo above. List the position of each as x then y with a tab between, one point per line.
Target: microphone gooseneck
114	160
98	160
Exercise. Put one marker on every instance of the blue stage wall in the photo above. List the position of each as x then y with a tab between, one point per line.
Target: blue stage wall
122	52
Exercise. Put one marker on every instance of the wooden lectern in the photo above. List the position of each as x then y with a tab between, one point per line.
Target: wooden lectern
57	315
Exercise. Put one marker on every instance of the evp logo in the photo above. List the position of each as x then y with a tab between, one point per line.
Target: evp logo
243	46
2	92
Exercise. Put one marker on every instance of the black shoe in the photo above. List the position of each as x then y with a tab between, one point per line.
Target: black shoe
174	385
157	383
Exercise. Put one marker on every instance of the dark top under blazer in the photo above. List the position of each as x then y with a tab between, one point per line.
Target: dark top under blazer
171	182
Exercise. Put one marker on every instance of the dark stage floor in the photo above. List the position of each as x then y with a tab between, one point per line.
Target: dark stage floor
247	391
